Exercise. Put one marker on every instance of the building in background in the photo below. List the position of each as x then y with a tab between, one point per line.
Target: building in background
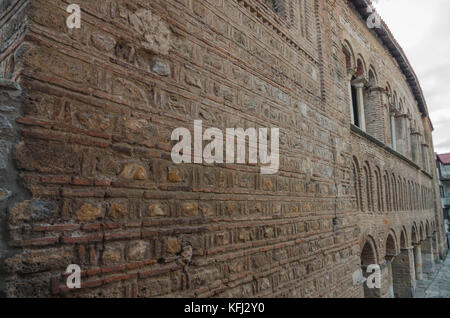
443	170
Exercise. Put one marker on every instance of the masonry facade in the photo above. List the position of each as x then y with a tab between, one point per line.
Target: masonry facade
87	177
443	172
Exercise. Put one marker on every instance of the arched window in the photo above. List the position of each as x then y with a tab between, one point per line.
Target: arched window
415	141
351	71
400	128
369	256
394	193
379	191
400	194
360	67
357	93
357	184
424	151
416	197
393	114
405	183
423	197
355	109
368	188
372	78
387	191
410	205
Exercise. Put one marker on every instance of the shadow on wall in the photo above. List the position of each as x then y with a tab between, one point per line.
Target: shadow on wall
11	191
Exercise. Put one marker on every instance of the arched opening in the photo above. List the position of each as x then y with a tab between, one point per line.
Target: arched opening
368	197
400	196
391	253
409	196
414	238
369	258
359	68
357	184
425	150
377	191
416	199
394	193
421	232
401	129
395	121
387	192
405	194
358	83
351	71
355	109
403	242
415	141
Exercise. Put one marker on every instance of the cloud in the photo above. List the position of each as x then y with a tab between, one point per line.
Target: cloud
421	27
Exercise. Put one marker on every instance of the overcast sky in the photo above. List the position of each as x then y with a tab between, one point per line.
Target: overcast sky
422	28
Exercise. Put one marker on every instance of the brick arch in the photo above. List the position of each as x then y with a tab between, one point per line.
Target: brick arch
416	203
401	191
422	231
388	91
422	197
428	229
405	194
367	186
372	76
404	241
415	238
401	108
369	251
357	182
395	99
378	193
418	198
394	192
387	191
349	55
361	69
410	196
391	245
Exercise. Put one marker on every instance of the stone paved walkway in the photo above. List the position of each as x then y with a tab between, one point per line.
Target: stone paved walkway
436	285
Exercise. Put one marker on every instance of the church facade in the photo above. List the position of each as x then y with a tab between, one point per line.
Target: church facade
87	177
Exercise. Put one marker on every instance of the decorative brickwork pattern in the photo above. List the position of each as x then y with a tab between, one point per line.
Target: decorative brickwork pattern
86	118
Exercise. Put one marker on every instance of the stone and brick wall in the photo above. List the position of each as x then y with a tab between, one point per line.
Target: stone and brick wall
85	152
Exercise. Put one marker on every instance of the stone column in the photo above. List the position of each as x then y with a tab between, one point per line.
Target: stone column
403	274
418	261
428	256
415	136
386	117
360	102
387	284
352	115
393	133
